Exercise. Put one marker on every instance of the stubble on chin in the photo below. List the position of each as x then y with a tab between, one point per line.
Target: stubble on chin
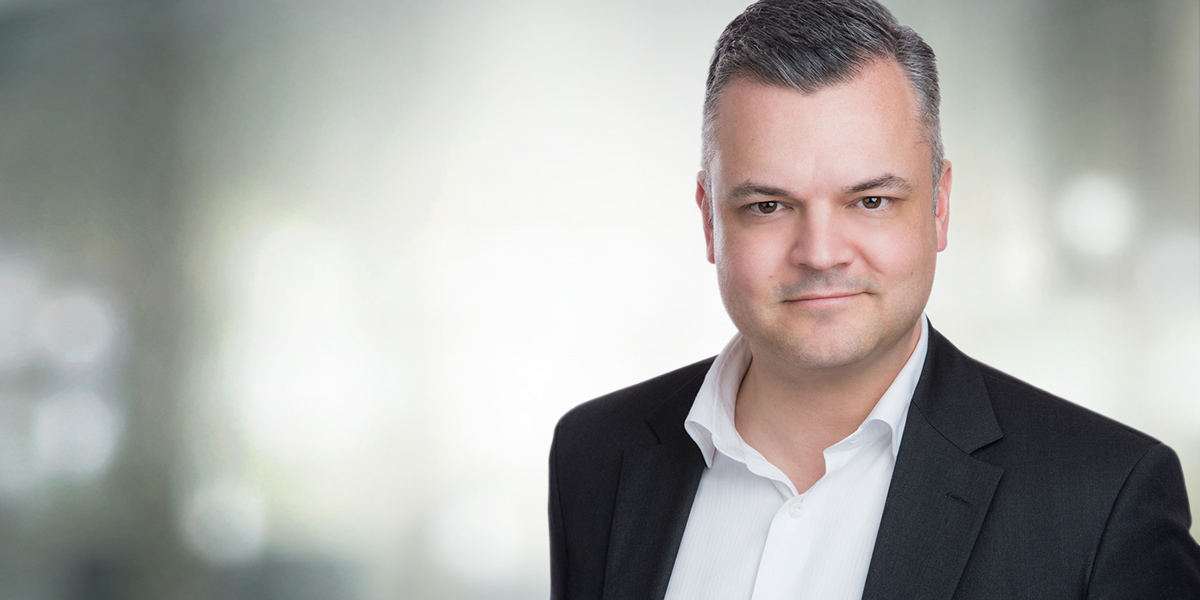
818	346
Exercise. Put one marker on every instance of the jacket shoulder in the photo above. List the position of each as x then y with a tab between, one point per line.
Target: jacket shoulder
1086	505
623	416
1034	418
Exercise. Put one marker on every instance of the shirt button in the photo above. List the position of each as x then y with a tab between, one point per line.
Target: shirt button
796	508
853	440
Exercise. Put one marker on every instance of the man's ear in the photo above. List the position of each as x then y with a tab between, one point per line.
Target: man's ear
941	216
705	204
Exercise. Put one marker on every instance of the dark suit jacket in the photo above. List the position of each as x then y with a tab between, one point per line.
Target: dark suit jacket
1000	490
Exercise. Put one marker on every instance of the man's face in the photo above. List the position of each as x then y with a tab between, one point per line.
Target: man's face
821	220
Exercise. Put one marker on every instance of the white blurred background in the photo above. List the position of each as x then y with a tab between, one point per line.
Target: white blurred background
292	293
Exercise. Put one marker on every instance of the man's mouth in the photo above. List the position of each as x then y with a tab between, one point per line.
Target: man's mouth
827	299
824	296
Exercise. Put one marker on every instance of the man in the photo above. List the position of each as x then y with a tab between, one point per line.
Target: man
839	447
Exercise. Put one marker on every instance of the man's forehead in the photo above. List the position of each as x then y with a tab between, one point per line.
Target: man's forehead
881	77
848	133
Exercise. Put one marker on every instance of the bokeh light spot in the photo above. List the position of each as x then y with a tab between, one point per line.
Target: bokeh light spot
225	523
76	328
1096	215
75	434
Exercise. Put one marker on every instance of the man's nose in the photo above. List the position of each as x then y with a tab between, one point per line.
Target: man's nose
822	240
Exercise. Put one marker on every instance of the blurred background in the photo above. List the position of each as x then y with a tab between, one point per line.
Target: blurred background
292	293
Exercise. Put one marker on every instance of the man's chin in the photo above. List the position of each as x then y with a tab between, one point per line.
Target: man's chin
825	359
837	346
828	353
828	340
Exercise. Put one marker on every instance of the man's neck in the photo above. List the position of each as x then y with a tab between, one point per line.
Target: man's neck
791	415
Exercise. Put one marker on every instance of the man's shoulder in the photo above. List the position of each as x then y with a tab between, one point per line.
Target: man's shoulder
1009	422
1037	422
1080	490
625	415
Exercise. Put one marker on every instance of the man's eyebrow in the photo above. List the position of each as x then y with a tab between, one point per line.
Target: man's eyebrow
885	181
749	188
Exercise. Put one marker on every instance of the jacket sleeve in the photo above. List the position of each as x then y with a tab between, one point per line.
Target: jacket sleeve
1146	550
558	551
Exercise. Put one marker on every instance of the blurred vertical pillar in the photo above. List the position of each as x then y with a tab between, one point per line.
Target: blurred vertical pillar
1120	93
87	92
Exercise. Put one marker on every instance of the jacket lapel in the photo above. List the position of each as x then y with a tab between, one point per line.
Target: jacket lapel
936	504
654	499
939	493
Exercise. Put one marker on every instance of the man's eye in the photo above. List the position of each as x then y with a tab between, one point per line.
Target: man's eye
765	207
874	202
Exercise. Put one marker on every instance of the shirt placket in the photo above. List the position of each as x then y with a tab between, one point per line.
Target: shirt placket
790	544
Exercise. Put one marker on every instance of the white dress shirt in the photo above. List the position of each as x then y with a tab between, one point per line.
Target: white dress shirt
750	535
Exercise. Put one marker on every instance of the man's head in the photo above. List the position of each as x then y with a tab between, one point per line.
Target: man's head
819	208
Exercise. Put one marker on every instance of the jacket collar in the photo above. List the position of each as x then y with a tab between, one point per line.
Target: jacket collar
939	493
654	498
936	502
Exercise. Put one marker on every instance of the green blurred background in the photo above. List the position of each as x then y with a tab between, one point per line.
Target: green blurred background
292	293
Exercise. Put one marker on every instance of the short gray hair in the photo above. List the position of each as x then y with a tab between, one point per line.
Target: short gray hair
808	45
